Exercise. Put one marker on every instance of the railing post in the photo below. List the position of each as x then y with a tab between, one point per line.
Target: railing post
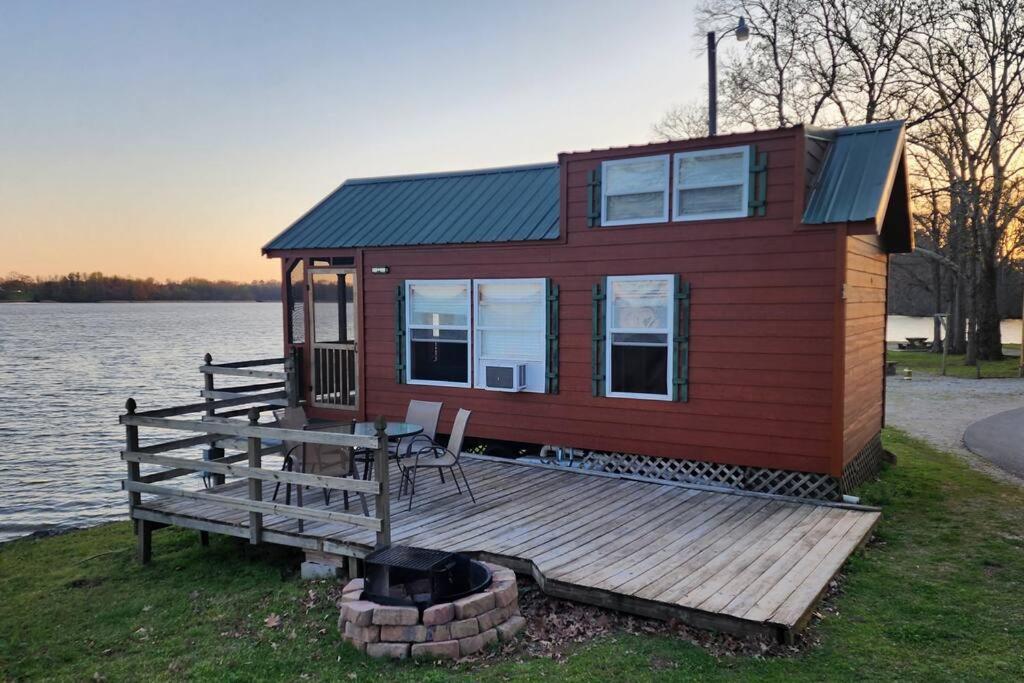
380	579
382	508
213	452
208	384
131	443
255	485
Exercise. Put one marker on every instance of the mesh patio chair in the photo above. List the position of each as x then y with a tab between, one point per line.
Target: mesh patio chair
289	418
422	413
439	458
333	461
330	461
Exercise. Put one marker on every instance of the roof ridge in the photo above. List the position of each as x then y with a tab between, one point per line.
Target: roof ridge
451	174
864	127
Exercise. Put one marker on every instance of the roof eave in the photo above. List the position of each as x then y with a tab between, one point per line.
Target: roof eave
898	160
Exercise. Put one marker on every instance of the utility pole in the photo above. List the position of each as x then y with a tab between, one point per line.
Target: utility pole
742	34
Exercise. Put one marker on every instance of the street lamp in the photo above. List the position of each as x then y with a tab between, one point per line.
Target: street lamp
742	34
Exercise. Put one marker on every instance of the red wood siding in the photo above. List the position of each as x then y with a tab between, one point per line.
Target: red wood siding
864	353
762	328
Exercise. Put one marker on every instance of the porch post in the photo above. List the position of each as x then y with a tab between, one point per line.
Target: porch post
291	383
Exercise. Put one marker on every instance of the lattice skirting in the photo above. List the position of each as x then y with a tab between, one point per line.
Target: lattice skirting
792	483
864	466
760	479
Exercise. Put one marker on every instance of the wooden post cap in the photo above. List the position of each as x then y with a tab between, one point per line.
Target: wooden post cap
254	416
381	423
208	359
130	406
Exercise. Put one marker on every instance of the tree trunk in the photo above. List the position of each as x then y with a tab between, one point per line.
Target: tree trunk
971	287
937	292
958	327
989	345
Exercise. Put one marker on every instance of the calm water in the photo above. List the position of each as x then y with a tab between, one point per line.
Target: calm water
66	370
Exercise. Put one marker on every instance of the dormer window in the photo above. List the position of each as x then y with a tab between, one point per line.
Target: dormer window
635	191
711	183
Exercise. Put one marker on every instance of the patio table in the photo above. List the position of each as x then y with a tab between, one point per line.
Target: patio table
395	430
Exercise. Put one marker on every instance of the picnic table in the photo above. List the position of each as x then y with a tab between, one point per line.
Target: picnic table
915	344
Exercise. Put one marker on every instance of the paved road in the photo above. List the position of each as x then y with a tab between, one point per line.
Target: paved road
940	409
999	439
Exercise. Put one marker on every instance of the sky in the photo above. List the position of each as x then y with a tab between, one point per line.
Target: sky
173	139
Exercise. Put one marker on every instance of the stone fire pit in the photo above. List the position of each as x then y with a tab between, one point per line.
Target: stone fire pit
445	631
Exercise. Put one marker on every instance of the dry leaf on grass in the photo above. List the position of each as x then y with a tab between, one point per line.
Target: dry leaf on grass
555	627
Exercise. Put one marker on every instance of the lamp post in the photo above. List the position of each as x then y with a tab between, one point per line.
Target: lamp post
742	34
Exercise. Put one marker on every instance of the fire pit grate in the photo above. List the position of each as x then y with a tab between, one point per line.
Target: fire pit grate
401	575
414	559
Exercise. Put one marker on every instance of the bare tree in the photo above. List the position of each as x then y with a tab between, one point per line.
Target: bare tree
954	69
972	61
682	122
818	61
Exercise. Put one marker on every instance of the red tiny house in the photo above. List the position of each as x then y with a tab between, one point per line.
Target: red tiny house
785	347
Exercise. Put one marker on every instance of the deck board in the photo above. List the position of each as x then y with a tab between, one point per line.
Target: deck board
661	549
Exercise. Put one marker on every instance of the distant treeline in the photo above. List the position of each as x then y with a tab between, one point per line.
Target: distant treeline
85	287
912	287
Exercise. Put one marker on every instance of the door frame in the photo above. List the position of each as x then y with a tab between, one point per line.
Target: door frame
312	344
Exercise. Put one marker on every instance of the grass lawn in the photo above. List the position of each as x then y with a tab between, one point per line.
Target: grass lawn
923	361
938	596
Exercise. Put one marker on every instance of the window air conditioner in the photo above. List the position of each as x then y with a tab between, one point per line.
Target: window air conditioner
504	375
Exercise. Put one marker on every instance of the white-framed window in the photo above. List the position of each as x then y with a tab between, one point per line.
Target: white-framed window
437	332
639	337
711	183
510	323
634	191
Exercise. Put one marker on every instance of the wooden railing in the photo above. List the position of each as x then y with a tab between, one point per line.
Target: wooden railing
282	391
334	375
216	429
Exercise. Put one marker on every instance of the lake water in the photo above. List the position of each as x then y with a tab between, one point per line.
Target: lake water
66	370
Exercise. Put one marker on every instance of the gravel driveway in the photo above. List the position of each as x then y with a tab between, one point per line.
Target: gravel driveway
939	410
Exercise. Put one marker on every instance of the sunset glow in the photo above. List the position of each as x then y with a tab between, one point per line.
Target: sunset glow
175	139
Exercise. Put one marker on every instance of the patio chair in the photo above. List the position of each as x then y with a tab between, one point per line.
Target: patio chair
289	418
438	457
335	461
331	461
422	413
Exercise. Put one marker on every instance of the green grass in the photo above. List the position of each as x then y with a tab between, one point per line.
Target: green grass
930	363
938	596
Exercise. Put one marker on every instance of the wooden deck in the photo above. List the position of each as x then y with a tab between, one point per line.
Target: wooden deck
733	561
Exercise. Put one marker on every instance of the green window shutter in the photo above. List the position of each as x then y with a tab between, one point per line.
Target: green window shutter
599	297
400	333
758	182
681	329
594	198
551	336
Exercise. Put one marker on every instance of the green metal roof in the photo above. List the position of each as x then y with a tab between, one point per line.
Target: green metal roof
492	205
855	179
